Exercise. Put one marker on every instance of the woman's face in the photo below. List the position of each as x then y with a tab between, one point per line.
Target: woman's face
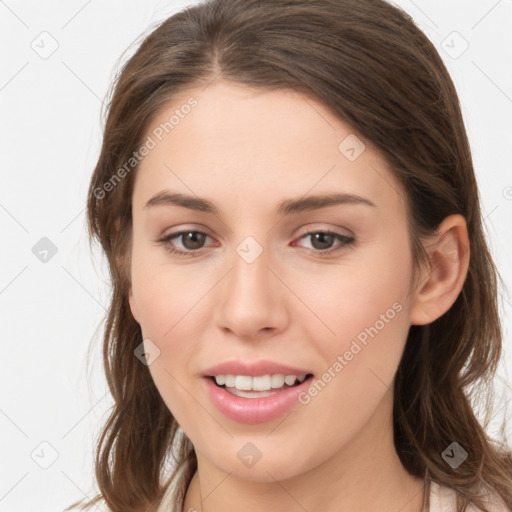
278	280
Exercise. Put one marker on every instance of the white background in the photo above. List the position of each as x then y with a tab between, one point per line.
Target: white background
49	142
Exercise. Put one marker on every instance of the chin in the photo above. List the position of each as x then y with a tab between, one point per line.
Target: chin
268	464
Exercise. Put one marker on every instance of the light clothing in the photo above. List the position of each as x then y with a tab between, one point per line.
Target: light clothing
442	499
167	503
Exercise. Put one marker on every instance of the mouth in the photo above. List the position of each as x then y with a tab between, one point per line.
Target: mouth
255	399
245	386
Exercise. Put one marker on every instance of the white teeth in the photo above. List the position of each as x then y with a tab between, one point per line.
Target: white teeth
277	381
243	382
260	383
290	380
229	380
250	394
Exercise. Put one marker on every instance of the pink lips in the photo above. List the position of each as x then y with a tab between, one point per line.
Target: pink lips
253	369
253	410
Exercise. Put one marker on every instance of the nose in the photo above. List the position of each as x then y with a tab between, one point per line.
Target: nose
251	303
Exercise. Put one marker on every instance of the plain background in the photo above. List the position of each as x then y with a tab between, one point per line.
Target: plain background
57	60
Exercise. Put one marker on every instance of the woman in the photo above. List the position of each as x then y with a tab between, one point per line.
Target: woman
302	291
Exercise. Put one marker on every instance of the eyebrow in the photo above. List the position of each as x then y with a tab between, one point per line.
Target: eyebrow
287	207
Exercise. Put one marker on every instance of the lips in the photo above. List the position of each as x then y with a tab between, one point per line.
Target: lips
254	369
252	406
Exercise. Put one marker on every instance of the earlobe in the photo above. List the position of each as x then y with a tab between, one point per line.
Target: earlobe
449	261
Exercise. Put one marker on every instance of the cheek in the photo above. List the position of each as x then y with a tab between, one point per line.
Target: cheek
353	295
172	302
168	300
366	306
363	306
165	294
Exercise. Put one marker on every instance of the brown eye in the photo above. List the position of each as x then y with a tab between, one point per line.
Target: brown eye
322	241
191	241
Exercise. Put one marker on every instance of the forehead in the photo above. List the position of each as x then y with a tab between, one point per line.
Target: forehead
240	144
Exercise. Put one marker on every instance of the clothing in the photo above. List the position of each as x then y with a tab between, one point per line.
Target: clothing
442	499
167	503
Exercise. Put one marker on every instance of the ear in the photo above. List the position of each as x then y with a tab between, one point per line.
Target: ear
443	281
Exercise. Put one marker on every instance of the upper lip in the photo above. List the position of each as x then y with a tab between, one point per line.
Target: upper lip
253	369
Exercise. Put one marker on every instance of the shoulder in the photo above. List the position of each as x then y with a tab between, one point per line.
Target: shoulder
444	499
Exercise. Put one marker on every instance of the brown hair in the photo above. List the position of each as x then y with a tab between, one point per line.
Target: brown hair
368	63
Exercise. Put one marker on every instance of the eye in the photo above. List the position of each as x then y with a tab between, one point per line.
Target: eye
322	241
191	240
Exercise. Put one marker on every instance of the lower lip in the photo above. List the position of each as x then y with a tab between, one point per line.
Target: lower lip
254	410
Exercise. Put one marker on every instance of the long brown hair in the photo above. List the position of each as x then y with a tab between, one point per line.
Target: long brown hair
367	62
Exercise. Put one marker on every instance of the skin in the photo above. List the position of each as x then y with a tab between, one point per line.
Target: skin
246	151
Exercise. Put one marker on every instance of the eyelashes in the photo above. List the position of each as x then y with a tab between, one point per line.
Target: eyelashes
322	236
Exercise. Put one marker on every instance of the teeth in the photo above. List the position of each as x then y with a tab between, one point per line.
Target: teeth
261	383
229	380
277	381
290	380
243	382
